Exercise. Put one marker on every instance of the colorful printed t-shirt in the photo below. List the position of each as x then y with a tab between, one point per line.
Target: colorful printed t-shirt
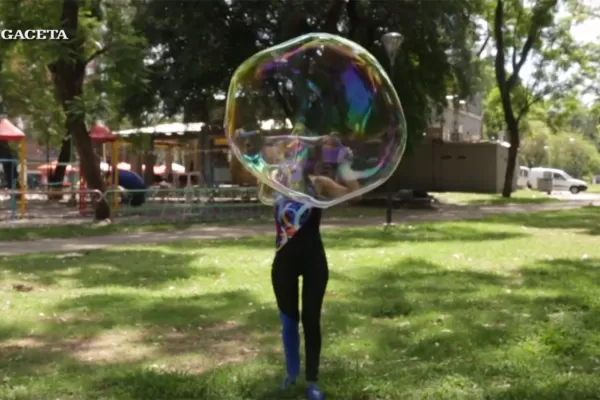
290	216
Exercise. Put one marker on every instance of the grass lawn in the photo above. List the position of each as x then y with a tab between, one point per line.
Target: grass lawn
19	233
504	308
66	231
594	189
477	199
73	231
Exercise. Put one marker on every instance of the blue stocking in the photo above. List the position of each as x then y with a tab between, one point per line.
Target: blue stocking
291	347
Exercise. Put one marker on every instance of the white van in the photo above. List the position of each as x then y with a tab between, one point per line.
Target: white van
561	181
523	179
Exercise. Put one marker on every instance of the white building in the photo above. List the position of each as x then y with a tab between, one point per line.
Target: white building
463	123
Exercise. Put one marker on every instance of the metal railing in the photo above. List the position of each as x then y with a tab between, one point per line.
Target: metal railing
190	204
32	199
153	205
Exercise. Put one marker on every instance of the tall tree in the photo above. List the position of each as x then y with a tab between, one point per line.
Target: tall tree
574	154
200	48
68	73
530	31
534	151
51	84
97	32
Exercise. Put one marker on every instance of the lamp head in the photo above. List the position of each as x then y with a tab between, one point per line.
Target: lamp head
392	42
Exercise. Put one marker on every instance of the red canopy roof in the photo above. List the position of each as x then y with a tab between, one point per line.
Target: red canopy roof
100	133
9	132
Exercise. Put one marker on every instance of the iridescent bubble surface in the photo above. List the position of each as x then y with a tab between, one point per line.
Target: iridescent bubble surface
315	119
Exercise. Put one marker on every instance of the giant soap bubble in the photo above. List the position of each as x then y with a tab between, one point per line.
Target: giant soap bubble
316	119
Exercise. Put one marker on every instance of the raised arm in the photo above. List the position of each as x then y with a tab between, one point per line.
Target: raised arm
346	180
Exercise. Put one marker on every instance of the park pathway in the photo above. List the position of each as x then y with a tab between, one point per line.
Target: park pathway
220	232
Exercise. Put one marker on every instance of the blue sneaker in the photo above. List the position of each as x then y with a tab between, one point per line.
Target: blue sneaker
313	392
287	382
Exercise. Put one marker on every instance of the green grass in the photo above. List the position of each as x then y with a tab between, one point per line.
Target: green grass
88	230
594	189
502	308
123	226
481	199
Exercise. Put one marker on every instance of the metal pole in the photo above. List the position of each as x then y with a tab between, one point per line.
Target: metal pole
390	182
391	42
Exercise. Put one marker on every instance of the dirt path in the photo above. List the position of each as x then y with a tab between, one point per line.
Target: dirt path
220	232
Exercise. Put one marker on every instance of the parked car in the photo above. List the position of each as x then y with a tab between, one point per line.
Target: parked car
522	181
561	181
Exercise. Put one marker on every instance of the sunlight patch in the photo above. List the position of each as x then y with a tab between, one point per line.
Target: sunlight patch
113	347
22	344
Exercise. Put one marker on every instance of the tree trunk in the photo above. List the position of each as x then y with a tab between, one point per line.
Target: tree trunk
90	168
149	161
68	73
505	86
354	21
137	160
10	167
511	165
334	13
56	177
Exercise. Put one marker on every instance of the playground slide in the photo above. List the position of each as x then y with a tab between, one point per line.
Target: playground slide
135	184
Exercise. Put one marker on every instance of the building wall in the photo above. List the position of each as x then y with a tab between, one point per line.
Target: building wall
458	126
457	167
464	124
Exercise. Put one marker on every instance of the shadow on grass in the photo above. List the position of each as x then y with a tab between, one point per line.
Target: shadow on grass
435	332
75	331
223	383
8	331
134	268
356	238
529	329
499	201
422	233
462	324
156	223
86	230
586	219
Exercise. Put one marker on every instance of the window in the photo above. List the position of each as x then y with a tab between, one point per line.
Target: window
558	177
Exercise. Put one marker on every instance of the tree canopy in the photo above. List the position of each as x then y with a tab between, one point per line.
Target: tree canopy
140	62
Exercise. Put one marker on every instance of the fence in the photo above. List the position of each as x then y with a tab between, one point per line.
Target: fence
35	205
72	199
190	204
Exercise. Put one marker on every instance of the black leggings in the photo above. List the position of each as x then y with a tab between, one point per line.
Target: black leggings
310	263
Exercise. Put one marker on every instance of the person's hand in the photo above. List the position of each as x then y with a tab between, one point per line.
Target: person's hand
324	185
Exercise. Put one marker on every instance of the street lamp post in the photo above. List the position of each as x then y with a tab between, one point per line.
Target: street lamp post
391	42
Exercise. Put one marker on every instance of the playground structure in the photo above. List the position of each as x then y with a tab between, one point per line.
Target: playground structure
200	148
10	133
196	182
42	198
100	134
192	181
